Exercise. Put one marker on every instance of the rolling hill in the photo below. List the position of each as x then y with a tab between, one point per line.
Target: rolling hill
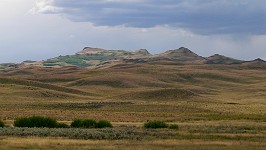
137	83
214	98
220	59
98	57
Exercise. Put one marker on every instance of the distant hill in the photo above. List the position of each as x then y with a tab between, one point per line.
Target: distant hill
220	59
257	63
182	55
98	57
8	66
95	56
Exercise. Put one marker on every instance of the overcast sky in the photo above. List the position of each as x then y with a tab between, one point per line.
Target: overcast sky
41	29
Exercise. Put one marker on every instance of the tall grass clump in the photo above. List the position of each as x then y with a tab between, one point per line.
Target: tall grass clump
2	124
35	121
155	124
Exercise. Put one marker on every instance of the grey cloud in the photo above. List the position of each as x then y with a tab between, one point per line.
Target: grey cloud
199	16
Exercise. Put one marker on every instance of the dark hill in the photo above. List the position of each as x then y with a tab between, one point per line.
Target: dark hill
181	54
220	59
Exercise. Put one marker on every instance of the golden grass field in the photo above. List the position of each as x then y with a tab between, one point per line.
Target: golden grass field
215	106
68	144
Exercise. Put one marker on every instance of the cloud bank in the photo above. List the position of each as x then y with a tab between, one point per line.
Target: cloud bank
199	16
41	29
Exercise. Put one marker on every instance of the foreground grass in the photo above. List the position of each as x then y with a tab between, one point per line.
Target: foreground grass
185	132
65	144
215	107
73	133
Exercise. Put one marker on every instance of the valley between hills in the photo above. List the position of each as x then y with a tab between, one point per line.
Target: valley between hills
217	102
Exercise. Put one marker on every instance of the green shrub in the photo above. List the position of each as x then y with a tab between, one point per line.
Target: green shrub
35	121
89	123
104	124
2	124
173	126
155	124
21	122
77	123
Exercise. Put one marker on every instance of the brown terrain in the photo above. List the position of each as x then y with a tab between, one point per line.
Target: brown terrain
218	102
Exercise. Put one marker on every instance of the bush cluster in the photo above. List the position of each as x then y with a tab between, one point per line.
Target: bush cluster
87	123
2	124
155	124
37	121
90	123
104	124
41	122
159	124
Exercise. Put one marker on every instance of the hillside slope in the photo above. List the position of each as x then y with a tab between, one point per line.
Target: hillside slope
98	57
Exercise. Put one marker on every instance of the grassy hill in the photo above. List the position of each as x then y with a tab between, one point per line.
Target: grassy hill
219	89
97	57
209	102
93	57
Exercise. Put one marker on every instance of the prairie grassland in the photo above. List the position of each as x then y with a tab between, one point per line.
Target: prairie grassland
65	144
215	106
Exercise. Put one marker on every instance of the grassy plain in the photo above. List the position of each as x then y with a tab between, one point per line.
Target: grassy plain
65	144
215	106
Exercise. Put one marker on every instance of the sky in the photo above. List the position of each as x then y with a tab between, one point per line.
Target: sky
42	29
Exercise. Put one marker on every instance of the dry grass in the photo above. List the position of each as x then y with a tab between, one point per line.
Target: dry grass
208	102
59	143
